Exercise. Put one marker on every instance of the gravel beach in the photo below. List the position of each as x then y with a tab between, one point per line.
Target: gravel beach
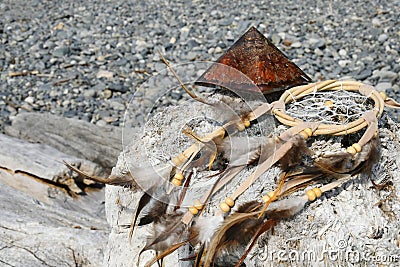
85	59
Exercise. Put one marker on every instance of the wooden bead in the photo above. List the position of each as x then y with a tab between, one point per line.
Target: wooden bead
176	182
311	195
351	150
176	161
179	176
197	204
224	207
308	131
357	147
193	210
304	134
329	104
230	201
317	191
246	123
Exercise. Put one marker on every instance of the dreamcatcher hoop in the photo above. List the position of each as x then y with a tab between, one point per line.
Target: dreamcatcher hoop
299	92
306	129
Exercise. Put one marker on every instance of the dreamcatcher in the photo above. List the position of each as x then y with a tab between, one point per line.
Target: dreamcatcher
224	234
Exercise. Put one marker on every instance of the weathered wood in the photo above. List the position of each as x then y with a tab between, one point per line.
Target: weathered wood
28	161
101	145
34	233
48	217
37	170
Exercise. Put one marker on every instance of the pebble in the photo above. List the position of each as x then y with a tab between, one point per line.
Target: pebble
318	52
296	45
376	22
110	119
60	51
317	43
106	94
99	87
385	75
343	63
172	40
384	86
89	93
184	32
276	39
383	37
70	113
116	87
29	99
218	50
121	62
191	56
365	73
117	105
104	74
101	123
342	52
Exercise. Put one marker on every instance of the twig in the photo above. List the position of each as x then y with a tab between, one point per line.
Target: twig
192	95
23	73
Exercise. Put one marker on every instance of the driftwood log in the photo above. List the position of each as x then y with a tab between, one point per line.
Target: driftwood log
354	224
27	162
81	139
48	216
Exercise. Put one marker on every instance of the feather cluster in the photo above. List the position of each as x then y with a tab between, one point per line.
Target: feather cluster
220	240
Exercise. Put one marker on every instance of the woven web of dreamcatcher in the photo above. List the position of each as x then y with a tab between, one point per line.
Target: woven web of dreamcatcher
330	107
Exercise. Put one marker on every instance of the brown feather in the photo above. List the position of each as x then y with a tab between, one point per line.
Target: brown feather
167	231
345	163
294	156
234	233
199	256
144	200
339	163
220	235
249	206
248	227
165	253
123	180
300	179
265	227
158	204
242	151
368	157
145	178
286	208
155	211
